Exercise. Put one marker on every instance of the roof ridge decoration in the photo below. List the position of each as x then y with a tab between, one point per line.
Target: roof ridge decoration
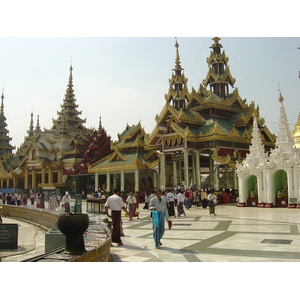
178	91
219	75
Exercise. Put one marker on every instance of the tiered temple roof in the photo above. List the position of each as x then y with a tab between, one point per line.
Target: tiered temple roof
212	117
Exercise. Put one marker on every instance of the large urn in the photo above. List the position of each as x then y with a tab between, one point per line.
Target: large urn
73	227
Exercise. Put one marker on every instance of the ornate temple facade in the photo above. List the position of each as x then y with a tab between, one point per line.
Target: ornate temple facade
204	132
198	134
271	179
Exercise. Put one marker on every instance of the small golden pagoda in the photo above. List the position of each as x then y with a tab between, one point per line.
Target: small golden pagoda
47	155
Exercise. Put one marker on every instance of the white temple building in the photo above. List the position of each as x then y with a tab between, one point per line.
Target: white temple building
271	179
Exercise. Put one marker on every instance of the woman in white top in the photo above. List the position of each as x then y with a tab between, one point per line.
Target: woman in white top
180	200
131	201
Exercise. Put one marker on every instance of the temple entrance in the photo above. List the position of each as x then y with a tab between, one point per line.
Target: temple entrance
280	188
251	190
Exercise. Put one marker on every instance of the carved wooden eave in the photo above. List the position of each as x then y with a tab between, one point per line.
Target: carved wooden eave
161	116
183	133
235	97
70	152
116	154
153	164
151	154
129	134
217	57
224	77
222	160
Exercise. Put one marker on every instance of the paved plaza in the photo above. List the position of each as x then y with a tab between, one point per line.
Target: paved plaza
235	234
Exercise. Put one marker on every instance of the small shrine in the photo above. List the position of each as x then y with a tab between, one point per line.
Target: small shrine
272	178
129	166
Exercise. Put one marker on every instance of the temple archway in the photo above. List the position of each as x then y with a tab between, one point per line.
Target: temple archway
251	190
280	188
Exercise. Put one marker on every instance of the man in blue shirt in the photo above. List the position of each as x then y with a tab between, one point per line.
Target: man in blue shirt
158	205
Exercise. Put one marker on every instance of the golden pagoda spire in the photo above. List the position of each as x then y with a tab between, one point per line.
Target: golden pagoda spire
177	59
38	127
2	105
100	124
69	112
178	89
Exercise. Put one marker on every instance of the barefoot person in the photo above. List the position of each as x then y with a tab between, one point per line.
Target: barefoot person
116	204
158	205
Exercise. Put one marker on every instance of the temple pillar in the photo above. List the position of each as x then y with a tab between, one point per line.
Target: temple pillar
108	182
234	187
59	176
194	169
14	182
50	175
7	183
217	178
96	181
211	169
26	179
1	183
226	177
162	165
259	188
186	168
270	193
33	178
43	174
197	169
243	194
122	181
155	180
180	173
136	181
175	181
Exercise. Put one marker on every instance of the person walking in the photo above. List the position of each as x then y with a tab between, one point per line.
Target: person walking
115	204
180	201
204	200
212	202
171	204
130	205
158	206
147	201
52	204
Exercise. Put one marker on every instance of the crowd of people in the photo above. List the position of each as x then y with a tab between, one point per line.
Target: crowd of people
38	200
162	205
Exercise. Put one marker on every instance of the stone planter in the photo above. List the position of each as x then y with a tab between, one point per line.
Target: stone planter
73	227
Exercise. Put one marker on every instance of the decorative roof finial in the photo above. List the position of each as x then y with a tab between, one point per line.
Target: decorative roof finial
280	98
2	102
100	124
177	59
